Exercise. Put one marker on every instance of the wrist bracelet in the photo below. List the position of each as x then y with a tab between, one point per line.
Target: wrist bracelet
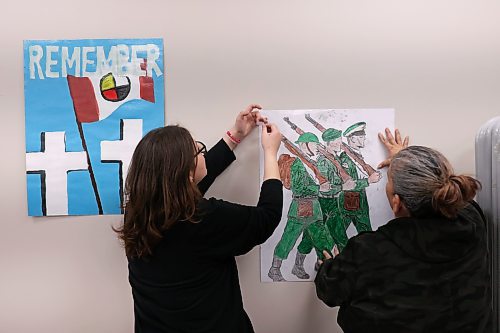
232	138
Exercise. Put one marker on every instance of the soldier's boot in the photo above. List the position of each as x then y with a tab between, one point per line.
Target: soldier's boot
274	271
298	268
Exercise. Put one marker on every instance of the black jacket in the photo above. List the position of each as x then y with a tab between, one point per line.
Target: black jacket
413	275
190	284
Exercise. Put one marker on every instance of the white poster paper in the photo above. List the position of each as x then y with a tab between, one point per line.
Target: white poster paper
332	188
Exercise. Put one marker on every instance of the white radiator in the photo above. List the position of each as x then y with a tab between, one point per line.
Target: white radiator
488	172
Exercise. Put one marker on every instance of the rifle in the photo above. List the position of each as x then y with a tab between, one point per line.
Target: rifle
293	126
355	156
322	149
348	150
315	123
342	173
304	158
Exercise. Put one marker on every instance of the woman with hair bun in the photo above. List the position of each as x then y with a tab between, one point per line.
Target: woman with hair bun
427	270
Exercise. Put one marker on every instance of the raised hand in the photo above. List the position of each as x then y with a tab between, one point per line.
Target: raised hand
393	144
271	138
246	121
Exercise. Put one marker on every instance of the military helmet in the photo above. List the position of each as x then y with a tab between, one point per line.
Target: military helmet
307	137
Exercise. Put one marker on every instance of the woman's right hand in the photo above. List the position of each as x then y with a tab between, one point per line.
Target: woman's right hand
271	138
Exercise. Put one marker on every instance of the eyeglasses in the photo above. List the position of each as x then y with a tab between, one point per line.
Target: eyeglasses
201	150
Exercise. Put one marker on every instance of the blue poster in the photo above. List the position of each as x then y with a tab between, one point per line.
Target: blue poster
88	103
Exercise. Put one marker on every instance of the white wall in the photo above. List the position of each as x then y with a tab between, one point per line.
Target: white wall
436	62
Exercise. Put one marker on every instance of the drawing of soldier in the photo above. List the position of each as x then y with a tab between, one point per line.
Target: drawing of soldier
353	203
304	215
329	193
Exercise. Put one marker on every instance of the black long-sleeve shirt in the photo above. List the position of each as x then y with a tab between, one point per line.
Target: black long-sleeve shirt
190	284
413	275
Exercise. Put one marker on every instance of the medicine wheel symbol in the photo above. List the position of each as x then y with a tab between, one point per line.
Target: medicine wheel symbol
114	89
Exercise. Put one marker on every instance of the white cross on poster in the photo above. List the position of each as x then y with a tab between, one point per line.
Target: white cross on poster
53	163
121	151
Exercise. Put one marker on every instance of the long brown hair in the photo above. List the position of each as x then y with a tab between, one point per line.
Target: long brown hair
425	181
158	189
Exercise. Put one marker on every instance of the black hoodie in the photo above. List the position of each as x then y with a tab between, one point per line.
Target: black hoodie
427	274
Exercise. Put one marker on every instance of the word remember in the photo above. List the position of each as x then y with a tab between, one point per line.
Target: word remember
54	61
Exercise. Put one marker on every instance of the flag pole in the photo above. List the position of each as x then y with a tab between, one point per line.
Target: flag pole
91	170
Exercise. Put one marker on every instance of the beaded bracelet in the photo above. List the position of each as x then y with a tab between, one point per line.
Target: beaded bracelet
232	138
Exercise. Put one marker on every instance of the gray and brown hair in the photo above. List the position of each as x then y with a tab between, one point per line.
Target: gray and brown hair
424	180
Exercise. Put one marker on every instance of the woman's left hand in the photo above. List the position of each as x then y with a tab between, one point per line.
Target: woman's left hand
246	121
393	144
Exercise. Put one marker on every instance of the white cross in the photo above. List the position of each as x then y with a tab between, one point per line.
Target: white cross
55	162
121	151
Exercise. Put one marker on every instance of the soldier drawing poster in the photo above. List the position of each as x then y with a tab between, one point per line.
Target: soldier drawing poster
87	104
332	189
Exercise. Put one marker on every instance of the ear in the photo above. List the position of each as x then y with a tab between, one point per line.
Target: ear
396	204
398	207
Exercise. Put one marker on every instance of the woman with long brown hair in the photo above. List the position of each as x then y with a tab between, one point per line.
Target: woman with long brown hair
180	246
427	270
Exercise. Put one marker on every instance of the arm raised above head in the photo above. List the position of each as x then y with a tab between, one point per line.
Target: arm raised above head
221	156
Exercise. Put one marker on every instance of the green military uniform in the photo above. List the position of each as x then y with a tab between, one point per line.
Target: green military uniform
304	217
360	217
328	200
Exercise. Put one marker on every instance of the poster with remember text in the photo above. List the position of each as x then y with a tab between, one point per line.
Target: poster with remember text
87	103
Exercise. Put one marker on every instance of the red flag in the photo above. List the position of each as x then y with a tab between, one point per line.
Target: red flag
95	98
